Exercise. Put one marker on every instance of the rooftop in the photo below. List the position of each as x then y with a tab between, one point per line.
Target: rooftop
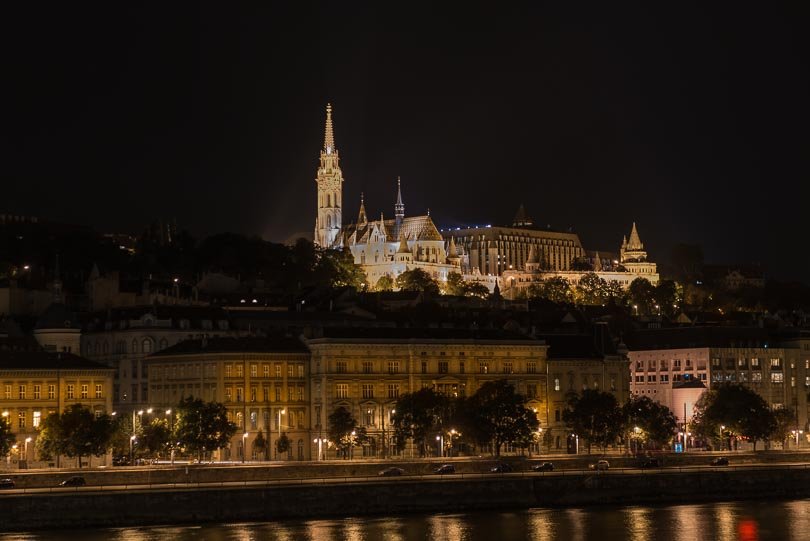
232	344
43	360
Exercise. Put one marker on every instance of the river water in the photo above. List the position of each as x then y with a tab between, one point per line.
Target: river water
744	521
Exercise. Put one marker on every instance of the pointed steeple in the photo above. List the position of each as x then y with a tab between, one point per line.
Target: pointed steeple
361	217
329	136
382	225
399	207
452	251
403	245
635	242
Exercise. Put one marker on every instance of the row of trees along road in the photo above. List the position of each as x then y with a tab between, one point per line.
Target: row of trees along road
494	415
201	427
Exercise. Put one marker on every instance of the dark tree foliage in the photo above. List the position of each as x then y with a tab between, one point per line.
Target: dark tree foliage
155	438
282	444
420	415
737	408
341	424
203	427
595	416
657	423
417	280
497	414
76	432
260	445
7	438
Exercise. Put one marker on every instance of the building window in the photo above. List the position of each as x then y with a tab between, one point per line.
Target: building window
70	391
266	394
368	390
227	394
557	384
507	367
755	364
742	363
36	419
531	367
290	371
340	367
254	419
253	394
37	391
756	377
21	419
146	345
531	390
8	392
239	391
22	392
98	390
51	392
424	367
300	389
300	370
85	391
342	390
483	367
792	381
367	367
266	370
443	367
776	364
240	419
254	370
461	367
240	371
277	370
777	377
393	367
393	390
227	370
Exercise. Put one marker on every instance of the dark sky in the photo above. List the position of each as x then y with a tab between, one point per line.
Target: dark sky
691	122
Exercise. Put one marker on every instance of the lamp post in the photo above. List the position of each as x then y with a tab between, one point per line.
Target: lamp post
28	440
320	441
280	412
131	449
722	428
171	433
440	442
244	446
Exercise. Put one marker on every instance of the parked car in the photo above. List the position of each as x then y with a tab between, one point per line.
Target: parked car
720	461
543	466
651	462
120	460
391	472
445	468
501	467
74	481
600	465
7	483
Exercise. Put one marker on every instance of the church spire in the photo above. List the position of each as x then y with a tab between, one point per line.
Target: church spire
329	136
399	207
361	218
635	242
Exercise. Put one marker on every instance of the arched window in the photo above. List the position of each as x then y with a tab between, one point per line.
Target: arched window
134	346
146	346
300	449
300	419
328	200
328	222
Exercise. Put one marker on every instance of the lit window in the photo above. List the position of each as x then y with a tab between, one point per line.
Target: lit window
85	391
70	391
254	370
36	419
51	391
342	390
98	390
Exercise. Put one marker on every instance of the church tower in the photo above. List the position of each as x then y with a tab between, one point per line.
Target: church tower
330	190
399	206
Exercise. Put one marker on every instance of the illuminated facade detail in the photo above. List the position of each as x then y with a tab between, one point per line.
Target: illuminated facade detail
330	189
377	246
631	264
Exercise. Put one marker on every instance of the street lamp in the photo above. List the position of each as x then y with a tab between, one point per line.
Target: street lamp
440	442
320	441
131	448
244	446
280	412
722	428
28	440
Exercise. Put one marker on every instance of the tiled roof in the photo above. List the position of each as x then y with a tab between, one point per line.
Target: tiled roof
231	344
43	360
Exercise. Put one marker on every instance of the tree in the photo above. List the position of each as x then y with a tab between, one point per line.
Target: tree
417	280
733	410
384	283
7	438
341	426
260	445
591	289
594	416
657	424
454	284
476	289
666	295
640	294
339	269
784	423
155	437
557	289
282	444
75	433
419	415
202	427
497	414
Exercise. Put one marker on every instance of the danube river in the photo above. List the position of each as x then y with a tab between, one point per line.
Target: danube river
748	521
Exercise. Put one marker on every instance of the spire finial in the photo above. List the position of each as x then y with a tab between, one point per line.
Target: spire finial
329	136
399	207
361	217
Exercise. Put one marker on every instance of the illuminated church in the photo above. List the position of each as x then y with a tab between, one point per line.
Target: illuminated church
383	247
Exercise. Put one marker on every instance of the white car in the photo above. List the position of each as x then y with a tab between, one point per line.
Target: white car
600	465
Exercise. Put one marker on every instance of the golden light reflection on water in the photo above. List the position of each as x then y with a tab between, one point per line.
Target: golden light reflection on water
689	522
798	516
576	519
447	527
639	524
542	525
725	518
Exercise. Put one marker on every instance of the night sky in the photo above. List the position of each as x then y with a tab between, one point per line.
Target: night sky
692	123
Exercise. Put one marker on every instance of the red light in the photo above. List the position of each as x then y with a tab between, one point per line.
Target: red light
747	530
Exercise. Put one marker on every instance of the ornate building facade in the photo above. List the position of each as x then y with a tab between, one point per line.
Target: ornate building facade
384	247
632	264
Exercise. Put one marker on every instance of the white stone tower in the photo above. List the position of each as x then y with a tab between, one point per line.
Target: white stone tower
330	190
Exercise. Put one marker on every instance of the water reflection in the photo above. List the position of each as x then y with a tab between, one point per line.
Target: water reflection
740	521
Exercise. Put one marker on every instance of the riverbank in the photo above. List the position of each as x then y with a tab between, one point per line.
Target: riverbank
314	499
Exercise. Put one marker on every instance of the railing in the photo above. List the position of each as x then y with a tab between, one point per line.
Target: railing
300	481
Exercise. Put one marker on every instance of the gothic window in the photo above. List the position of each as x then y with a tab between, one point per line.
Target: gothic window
328	200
